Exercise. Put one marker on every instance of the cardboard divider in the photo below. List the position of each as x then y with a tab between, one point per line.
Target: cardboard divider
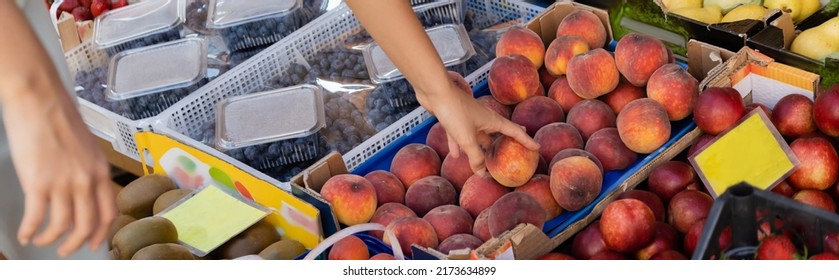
775	41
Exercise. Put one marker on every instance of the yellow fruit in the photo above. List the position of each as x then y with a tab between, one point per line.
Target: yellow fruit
678	4
818	42
750	11
728	5
709	15
808	8
793	7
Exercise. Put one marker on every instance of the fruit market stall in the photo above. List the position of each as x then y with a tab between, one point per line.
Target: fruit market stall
667	130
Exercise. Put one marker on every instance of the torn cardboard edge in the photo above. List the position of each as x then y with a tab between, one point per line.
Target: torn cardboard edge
702	57
548	21
760	79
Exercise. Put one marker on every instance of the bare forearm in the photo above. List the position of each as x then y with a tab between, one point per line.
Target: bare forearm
26	67
397	30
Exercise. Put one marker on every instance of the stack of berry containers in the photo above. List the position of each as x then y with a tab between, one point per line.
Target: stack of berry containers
145	81
255	24
269	129
138	25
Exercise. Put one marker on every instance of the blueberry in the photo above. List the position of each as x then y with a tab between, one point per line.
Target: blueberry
381	126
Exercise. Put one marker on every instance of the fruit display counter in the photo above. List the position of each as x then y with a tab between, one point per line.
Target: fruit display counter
652	147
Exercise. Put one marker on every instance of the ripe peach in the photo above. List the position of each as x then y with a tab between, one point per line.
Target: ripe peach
571	152
414	162
575	182
593	74
428	193
409	231
670	178
501	109
513	209
562	93
643	125
638	56
388	213
438	140
622	95
676	89
589	116
561	50
556	137
481	227
479	193
457	170
512	79
606	145
349	248
540	189
546	78
449	220
511	163
585	24
522	41
388	187
536	112
352	197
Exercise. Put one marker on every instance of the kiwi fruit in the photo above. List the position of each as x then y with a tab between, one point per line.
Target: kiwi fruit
163	251
285	249
143	233
250	242
120	222
137	198
167	199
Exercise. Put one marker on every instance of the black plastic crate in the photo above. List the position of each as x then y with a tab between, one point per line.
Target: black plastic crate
744	208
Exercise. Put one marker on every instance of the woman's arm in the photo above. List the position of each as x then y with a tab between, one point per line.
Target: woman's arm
397	30
60	167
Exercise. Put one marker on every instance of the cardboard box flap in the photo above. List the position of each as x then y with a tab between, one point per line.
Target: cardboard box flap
547	24
702	57
761	79
723	72
309	182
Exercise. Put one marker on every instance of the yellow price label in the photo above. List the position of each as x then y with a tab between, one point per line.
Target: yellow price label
210	218
752	152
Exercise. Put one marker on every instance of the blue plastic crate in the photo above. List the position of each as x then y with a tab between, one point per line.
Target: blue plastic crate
611	180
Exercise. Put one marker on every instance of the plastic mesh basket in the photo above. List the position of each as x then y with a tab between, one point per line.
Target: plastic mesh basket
327	32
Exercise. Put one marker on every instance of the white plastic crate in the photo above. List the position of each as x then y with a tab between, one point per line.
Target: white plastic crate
329	31
107	125
489	12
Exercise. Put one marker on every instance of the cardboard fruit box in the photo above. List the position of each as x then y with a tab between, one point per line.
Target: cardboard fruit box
775	41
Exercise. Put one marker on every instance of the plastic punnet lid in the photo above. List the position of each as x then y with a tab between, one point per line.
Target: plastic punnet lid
451	41
227	13
136	20
269	116
157	68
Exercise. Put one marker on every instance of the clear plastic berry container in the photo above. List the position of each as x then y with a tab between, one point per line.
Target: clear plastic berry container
145	81
259	23
272	128
451	42
138	25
